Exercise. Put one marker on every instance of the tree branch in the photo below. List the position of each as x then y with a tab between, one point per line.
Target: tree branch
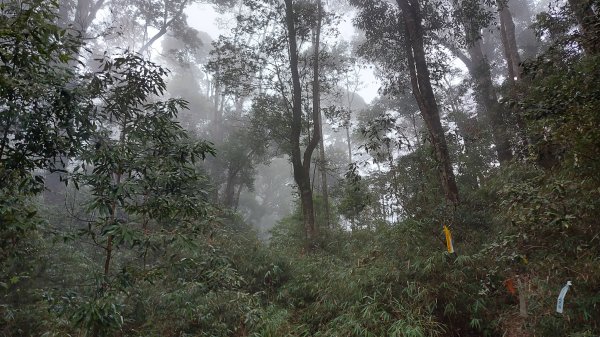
163	29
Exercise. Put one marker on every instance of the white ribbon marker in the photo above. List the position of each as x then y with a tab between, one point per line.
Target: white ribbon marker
561	297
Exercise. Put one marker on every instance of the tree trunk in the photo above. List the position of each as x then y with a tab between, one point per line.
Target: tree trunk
317	111
349	144
85	14
229	191
423	92
236	202
513	60
113	209
509	41
324	185
529	43
466	129
301	161
486	95
164	28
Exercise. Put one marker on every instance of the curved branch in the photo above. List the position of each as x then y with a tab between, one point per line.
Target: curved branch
163	30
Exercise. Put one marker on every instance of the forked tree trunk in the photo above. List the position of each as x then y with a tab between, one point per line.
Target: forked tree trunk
423	92
486	95
301	161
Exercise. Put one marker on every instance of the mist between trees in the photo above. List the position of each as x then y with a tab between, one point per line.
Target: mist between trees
159	181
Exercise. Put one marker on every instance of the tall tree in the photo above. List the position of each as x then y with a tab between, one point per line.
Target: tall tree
144	176
395	40
317	108
79	14
472	17
423	92
301	160
509	42
42	116
285	92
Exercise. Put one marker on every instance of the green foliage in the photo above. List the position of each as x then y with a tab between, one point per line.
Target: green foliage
146	192
375	283
41	112
41	118
42	115
549	202
356	195
17	211
141	251
561	108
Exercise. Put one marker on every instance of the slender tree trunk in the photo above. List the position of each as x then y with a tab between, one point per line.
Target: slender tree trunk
229	191
486	95
314	176
464	128
423	92
113	209
509	41
324	184
109	246
109	240
317	111
349	144
394	180
349	100
301	161
513	62
217	120
236	203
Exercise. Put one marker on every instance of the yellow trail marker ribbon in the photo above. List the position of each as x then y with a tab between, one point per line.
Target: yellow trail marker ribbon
448	239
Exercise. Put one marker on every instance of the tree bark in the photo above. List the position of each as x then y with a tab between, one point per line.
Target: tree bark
486	95
301	161
317	111
85	14
513	61
236	202
509	41
349	144
423	92
229	191
163	30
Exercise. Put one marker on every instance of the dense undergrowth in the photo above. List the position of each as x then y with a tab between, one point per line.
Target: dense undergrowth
393	280
390	280
137	248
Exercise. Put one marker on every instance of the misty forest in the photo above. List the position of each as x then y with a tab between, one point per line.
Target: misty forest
412	168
